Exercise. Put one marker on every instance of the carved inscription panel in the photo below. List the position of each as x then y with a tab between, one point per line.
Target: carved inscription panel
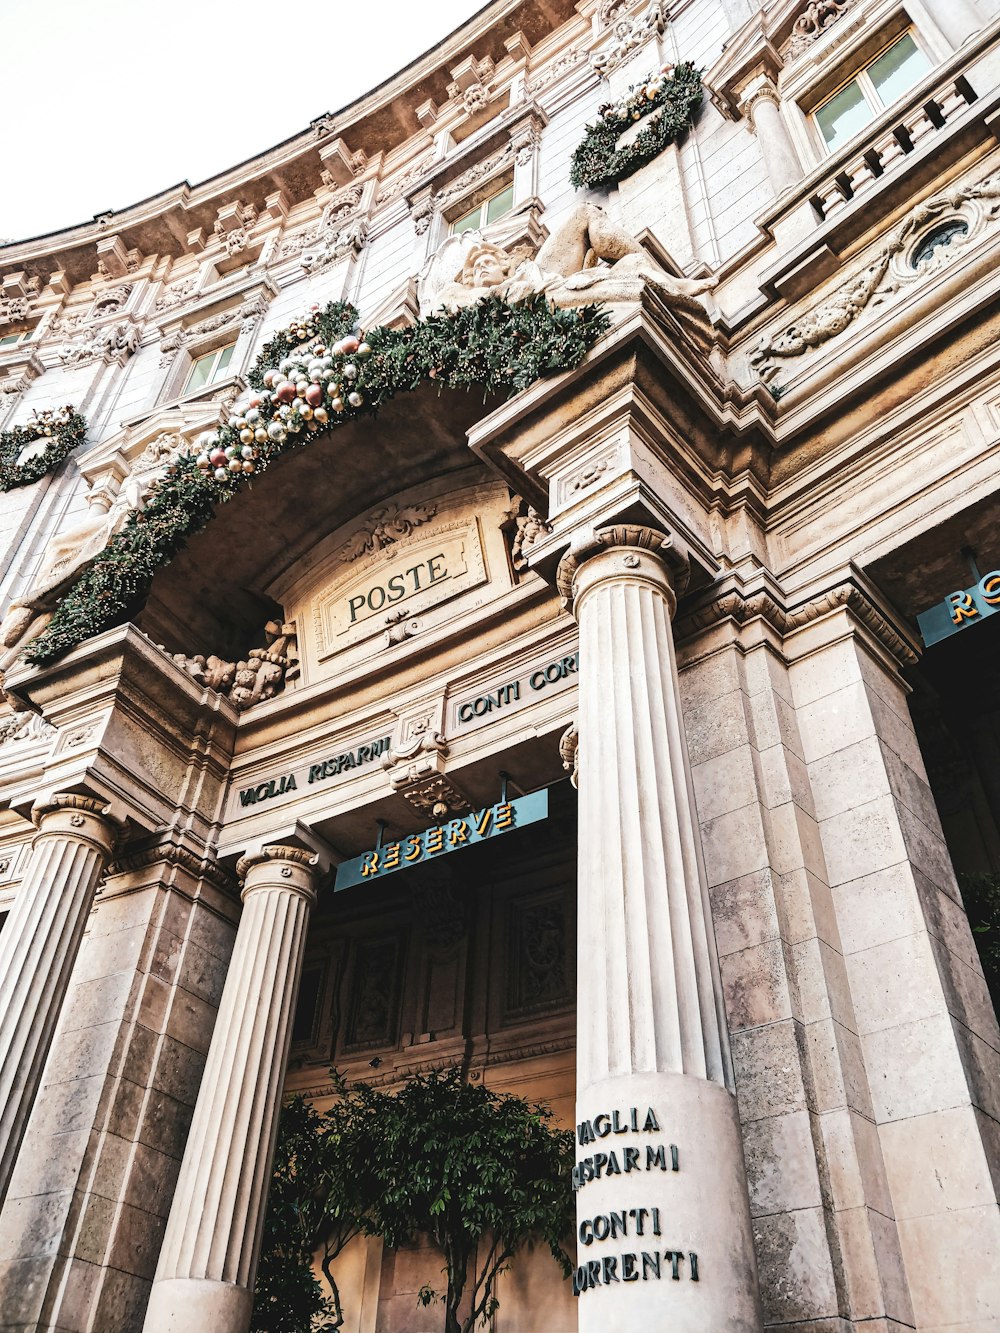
438	563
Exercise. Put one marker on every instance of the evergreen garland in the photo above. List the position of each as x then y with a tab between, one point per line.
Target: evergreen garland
500	347
62	430
599	163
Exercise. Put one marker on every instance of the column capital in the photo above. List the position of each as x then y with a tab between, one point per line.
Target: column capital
279	867
85	818
758	90
672	561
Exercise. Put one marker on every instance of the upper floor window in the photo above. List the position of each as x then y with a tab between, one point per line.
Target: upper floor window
209	368
486	212
880	83
12	339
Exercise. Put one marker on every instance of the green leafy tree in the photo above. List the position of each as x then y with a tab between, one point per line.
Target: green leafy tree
319	1189
981	894
478	1172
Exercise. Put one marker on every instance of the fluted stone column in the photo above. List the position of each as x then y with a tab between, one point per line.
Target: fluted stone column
760	106
204	1278
38	947
664	1237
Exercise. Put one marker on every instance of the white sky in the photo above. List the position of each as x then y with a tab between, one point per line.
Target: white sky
108	101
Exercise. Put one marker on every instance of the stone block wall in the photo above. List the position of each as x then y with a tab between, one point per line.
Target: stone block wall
88	1202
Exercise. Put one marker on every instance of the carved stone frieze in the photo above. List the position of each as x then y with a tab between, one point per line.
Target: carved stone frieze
479	171
24	726
384	526
423	207
555	70
398	185
112	343
976	205
742	607
176	294
627	35
813	22
264	673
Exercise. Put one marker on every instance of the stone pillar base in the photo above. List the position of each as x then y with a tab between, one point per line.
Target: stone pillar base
701	1209
187	1304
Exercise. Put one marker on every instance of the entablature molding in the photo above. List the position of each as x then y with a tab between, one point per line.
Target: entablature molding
378	121
743	604
134	729
489	154
646	420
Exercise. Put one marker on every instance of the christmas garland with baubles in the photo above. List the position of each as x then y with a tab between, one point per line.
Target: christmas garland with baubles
670	97
44	441
317	374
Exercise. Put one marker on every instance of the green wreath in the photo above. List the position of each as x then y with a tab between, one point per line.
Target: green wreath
315	375
61	430
599	163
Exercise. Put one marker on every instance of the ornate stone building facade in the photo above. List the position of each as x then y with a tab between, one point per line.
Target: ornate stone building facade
686	568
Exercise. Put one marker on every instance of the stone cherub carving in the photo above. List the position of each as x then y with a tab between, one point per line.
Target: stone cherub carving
265	671
69	554
587	258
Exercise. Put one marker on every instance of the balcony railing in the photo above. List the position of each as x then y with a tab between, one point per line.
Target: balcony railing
889	150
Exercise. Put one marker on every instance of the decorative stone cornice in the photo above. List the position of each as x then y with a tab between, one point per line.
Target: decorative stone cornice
742	607
622	534
976	206
160	852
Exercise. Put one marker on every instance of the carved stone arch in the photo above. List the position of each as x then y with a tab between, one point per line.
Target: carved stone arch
358	491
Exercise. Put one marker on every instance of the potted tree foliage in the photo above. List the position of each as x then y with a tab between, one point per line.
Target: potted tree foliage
480	1173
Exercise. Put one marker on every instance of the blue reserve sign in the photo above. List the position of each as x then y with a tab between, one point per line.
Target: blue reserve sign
416	848
960	609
